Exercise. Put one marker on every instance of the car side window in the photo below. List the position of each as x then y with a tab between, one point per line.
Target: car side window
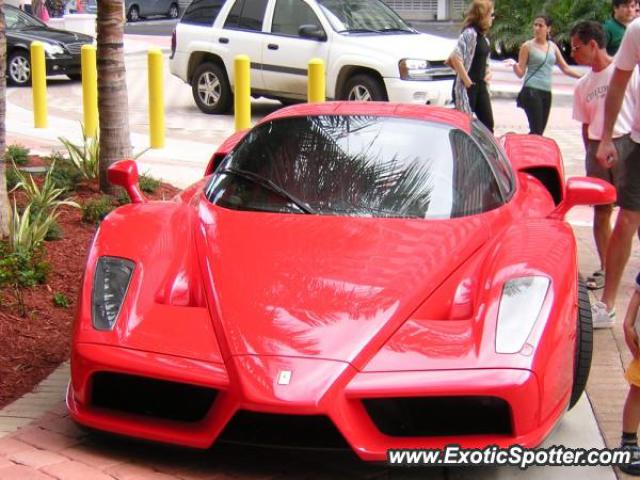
202	12
246	15
475	188
499	164
289	15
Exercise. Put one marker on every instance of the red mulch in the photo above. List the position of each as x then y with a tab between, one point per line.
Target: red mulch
32	347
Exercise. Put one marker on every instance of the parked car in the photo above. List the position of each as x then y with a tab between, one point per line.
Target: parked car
138	9
369	51
62	48
331	281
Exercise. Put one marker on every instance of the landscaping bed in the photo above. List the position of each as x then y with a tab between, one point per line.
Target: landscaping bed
33	344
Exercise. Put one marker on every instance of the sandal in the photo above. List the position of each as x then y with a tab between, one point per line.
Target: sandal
596	280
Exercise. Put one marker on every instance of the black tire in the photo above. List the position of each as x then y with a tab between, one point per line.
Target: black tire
174	11
19	68
584	344
76	77
364	88
133	15
210	89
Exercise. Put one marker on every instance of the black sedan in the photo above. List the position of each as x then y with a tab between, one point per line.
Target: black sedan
62	48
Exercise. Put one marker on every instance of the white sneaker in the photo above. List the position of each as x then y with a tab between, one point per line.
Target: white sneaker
602	318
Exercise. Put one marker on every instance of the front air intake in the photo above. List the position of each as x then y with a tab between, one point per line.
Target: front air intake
440	416
150	397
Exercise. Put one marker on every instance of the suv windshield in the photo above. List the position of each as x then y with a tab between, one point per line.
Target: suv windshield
362	16
357	166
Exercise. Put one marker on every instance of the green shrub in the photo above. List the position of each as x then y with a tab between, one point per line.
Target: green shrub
12	177
93	211
122	197
27	231
64	174
21	268
85	156
54	233
148	184
60	300
17	154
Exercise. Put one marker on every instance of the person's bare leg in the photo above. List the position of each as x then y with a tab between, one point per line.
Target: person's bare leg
602	231
618	253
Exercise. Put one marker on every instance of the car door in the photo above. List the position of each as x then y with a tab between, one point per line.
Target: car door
242	33
287	51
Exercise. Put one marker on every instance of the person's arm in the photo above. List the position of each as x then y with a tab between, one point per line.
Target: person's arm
562	63
520	67
585	135
630	335
607	154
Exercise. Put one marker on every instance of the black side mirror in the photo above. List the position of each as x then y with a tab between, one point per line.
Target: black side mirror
312	31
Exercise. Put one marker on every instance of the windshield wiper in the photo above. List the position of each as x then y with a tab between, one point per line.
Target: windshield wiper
359	30
396	29
269	185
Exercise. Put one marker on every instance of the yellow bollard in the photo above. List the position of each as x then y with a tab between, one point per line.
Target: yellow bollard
89	91
39	85
156	98
242	94
316	89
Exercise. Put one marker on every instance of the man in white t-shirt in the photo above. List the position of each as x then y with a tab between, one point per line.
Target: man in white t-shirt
628	221
588	42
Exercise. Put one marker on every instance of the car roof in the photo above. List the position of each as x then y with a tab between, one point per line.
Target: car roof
442	115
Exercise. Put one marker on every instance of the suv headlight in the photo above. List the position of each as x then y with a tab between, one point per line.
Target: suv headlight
110	284
520	306
412	69
51	49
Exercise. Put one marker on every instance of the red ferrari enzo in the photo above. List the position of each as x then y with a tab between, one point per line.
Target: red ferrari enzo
368	275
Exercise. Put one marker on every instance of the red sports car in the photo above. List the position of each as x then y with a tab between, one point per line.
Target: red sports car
369	275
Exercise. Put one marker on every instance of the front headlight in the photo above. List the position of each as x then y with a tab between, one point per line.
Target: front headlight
520	306
110	285
412	69
51	49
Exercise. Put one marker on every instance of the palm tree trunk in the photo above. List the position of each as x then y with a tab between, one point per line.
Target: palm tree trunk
113	106
5	208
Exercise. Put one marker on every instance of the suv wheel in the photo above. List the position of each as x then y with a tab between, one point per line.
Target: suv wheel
364	88
210	89
19	68
173	11
134	14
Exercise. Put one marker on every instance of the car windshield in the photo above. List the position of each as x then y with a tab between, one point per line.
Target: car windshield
17	20
365	166
357	16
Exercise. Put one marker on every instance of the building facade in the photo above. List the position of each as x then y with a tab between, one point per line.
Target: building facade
429	9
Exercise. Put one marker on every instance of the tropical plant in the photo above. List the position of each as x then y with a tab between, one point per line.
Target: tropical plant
20	269
28	231
514	19
5	207
45	198
113	105
64	173
17	154
84	157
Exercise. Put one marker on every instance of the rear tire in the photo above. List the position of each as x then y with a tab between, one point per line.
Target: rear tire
133	15
173	11
584	344
210	89
364	88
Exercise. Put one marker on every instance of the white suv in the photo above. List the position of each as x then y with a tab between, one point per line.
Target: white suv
370	53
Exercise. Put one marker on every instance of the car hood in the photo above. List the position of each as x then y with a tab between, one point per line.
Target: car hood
420	46
323	287
48	35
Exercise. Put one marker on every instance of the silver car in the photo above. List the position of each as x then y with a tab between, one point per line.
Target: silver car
137	9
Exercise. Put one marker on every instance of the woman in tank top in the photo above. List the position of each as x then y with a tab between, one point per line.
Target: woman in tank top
535	63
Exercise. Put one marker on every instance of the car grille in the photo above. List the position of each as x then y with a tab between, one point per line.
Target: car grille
438	70
288	431
150	397
76	47
440	416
